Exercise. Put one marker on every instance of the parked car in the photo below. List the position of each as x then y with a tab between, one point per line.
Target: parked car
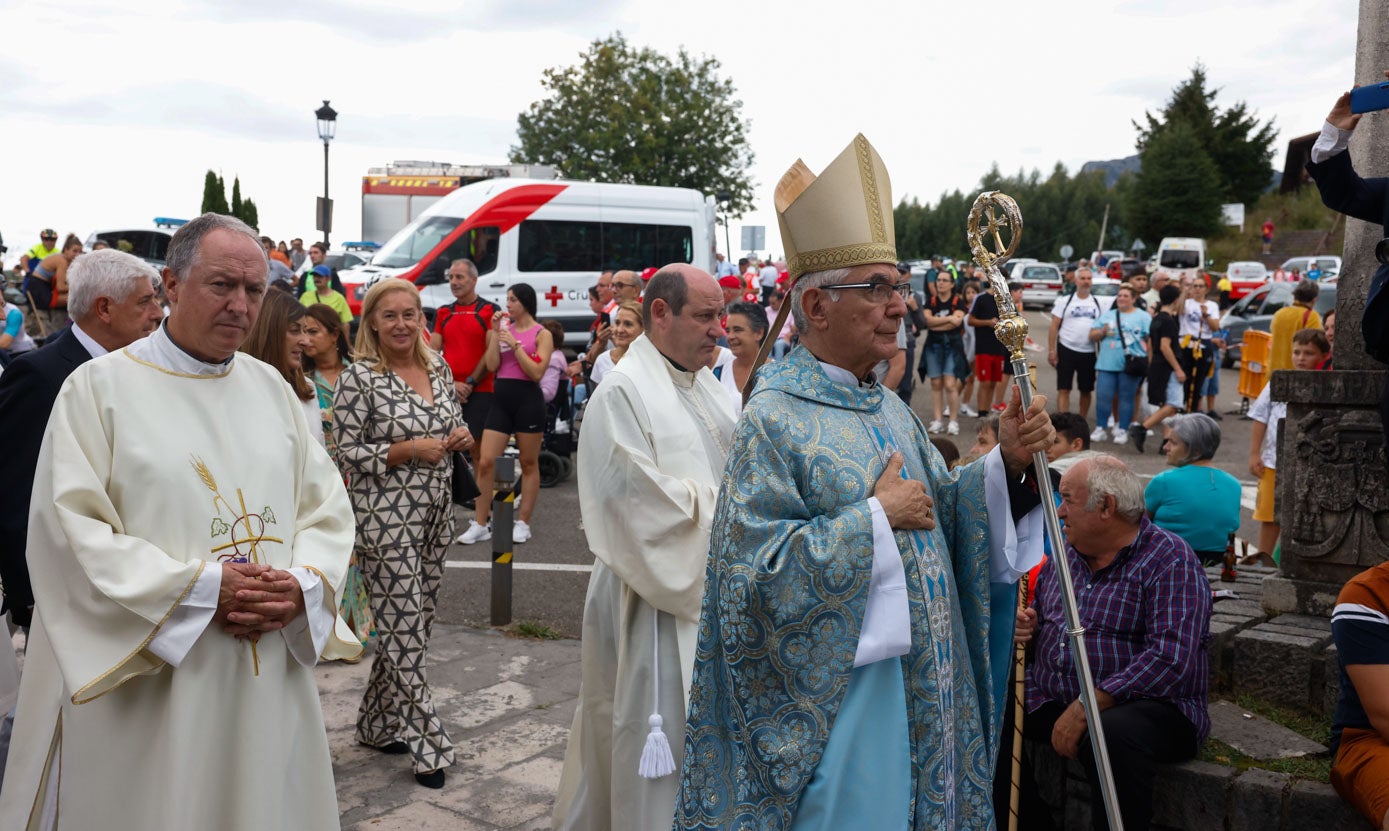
1012	265
1101	286
1329	264
1124	269
1041	283
148	242
1255	312
1245	276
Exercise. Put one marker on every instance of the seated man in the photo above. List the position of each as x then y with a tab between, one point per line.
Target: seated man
1146	604
1360	730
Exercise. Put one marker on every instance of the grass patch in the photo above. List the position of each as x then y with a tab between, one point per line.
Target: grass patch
1316	728
1316	768
535	631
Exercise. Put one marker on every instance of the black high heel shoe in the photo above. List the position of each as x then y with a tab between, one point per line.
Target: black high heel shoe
431	779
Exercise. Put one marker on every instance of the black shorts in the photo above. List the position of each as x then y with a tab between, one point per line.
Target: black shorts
1072	363
475	412
517	407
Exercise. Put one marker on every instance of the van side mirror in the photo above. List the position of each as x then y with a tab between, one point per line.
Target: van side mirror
436	273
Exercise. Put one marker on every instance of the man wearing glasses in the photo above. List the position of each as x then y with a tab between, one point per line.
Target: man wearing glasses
626	286
842	678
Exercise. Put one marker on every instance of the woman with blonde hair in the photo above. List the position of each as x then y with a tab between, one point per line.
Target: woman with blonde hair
626	327
397	424
277	338
326	355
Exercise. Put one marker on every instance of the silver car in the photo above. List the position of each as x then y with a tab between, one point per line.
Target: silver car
1255	312
1041	283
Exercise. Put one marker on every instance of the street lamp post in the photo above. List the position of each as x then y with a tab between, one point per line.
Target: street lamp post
327	128
724	198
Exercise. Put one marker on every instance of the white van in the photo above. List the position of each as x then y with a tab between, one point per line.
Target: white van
555	235
1181	257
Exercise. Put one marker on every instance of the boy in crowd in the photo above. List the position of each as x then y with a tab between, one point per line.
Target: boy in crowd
1310	349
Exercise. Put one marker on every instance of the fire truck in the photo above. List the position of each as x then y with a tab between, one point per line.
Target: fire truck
394	195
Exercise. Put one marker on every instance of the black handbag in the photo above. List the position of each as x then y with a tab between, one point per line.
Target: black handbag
1135	365
465	487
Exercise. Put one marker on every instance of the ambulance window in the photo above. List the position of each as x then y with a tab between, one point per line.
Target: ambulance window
478	245
636	247
552	245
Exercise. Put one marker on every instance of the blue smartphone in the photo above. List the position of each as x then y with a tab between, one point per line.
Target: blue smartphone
1370	97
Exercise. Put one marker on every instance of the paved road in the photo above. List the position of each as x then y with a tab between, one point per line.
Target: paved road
551	571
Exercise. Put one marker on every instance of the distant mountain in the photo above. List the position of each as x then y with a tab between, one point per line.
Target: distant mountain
1114	168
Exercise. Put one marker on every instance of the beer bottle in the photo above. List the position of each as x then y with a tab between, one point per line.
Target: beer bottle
1227	572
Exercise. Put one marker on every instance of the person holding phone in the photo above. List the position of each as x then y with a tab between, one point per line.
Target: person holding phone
518	408
1344	191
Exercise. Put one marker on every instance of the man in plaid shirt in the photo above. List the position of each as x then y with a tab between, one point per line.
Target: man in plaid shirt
1145	604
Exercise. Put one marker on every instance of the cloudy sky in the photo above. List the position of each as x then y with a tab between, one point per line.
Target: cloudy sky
113	117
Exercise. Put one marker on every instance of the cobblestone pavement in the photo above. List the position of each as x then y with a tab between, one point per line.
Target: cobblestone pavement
507	703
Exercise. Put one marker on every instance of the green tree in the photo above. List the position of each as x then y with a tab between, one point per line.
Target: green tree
1233	138
236	199
214	194
635	115
249	214
1178	192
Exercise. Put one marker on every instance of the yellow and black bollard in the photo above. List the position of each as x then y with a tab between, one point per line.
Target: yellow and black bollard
503	510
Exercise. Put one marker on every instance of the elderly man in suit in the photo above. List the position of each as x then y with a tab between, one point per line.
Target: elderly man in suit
112	300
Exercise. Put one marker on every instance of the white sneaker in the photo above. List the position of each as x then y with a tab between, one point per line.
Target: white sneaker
475	533
1099	434
967	411
935	426
1120	436
954	428
947	411
521	532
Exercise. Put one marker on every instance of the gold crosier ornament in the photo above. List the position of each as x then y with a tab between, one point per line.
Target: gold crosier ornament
993	219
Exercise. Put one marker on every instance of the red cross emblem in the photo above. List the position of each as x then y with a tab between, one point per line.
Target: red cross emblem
554	296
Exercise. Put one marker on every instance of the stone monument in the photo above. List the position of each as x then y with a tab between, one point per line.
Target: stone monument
1332	497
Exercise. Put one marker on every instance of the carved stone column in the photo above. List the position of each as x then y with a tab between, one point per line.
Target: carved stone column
1332	496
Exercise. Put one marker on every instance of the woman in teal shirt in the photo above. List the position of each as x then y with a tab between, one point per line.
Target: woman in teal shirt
1118	333
1195	500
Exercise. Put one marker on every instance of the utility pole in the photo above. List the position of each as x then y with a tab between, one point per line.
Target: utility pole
1104	225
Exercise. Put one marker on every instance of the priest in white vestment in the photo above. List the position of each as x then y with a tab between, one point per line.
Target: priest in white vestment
651	456
187	541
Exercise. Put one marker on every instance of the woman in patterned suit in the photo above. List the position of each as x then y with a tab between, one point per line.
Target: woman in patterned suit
397	424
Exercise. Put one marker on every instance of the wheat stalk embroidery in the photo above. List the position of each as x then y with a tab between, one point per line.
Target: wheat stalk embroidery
246	530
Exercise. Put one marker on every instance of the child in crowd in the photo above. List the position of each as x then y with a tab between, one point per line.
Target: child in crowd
1310	349
1071	444
985	438
948	451
967	383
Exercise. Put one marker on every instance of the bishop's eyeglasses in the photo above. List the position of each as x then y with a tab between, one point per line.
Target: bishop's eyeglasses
877	292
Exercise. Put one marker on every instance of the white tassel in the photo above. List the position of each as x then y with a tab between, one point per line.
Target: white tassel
656	759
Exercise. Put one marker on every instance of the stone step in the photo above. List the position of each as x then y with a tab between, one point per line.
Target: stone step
1257	737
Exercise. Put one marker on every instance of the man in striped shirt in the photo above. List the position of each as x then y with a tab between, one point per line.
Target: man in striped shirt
1360	730
1145	604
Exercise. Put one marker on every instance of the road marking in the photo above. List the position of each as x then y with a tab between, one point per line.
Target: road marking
584	569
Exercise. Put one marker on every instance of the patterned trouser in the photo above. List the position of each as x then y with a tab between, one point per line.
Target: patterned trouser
404	584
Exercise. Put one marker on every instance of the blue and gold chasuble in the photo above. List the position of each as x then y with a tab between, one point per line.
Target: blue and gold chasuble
787	583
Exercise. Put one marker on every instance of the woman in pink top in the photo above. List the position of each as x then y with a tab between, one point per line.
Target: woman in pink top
518	408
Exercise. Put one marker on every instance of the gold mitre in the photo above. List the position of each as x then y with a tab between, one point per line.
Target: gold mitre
841	218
